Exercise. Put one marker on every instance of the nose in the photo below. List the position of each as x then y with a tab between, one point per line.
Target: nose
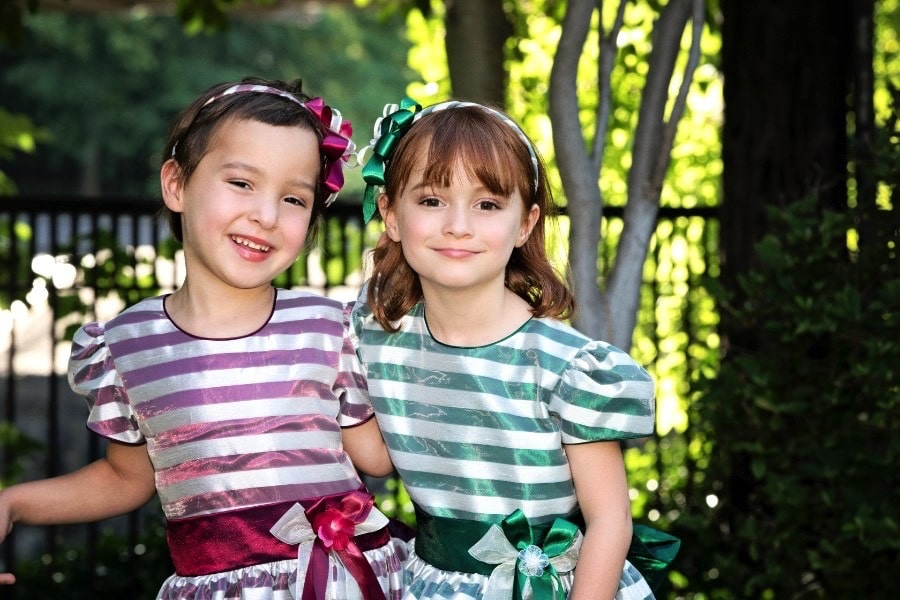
265	212
458	220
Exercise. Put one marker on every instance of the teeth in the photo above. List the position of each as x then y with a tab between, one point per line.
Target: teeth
252	245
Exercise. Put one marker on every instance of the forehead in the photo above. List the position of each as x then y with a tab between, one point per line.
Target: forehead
441	161
267	147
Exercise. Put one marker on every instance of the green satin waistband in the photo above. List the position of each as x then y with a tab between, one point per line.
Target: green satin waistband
444	542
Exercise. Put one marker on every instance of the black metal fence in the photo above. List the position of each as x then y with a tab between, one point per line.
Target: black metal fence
69	260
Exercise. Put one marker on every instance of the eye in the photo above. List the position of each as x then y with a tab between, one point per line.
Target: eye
430	201
488	204
239	183
296	201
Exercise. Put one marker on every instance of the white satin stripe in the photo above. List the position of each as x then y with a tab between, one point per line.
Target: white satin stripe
621	422
218	378
473	470
486	436
434	584
627	388
436	371
105	412
449	397
447	503
103	379
257	478
257	408
243	444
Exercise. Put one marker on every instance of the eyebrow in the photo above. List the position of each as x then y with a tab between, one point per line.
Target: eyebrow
296	182
422	184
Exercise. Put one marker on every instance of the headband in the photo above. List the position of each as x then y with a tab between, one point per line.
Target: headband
336	146
395	122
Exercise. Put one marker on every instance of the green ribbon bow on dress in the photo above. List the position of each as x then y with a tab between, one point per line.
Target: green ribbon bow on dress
527	567
652	552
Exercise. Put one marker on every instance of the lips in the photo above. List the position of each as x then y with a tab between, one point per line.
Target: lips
247	243
456	252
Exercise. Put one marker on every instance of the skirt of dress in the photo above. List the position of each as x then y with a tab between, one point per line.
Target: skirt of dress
425	582
278	580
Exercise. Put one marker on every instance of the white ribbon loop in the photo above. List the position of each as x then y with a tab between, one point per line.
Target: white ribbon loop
294	528
494	549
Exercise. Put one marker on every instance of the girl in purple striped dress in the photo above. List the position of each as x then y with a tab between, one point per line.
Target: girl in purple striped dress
242	406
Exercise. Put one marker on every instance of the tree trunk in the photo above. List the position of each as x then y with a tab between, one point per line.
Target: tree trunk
861	67
785	67
579	168
611	314
654	136
477	31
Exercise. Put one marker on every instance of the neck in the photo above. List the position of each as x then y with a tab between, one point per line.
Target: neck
460	319
234	313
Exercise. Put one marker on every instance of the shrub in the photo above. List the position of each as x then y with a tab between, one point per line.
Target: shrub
802	475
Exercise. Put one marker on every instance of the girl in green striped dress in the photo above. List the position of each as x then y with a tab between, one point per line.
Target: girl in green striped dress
503	421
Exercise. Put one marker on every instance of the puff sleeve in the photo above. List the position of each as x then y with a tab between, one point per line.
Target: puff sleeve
356	407
93	375
603	395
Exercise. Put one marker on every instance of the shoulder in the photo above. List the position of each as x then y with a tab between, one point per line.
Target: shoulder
560	331
584	353
300	311
148	308
554	339
305	304
306	298
95	334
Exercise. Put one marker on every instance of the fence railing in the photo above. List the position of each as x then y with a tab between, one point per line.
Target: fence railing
69	260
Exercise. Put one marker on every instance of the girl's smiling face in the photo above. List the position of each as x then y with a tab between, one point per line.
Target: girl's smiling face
457	235
246	208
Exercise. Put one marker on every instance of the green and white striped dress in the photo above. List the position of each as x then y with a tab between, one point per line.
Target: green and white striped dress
477	433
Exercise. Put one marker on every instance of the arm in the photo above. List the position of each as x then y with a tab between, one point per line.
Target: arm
367	449
119	483
598	471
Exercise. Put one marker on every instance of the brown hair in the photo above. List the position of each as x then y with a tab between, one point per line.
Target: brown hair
492	152
194	130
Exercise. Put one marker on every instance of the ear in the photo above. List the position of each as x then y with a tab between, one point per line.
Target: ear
528	223
172	186
389	217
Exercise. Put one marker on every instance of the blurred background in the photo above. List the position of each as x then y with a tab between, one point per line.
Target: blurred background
725	173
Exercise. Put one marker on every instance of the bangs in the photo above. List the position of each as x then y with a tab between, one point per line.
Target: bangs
472	142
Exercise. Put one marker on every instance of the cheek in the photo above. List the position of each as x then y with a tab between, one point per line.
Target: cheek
300	227
405	228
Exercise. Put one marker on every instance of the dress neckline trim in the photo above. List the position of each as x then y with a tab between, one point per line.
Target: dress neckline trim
420	309
221	339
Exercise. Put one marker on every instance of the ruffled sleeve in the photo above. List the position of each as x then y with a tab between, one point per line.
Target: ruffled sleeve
356	407
603	395
93	375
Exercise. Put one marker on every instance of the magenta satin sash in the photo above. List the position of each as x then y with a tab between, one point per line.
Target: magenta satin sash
225	541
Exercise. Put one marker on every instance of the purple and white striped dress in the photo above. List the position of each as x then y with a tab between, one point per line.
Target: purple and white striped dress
238	430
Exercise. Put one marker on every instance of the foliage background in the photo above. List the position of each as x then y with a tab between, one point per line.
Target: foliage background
104	87
807	416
